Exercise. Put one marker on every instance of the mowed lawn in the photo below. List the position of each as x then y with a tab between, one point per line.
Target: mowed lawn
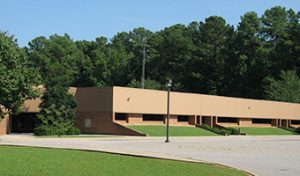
266	131
160	130
26	161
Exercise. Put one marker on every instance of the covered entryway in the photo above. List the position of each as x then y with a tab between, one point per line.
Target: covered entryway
23	123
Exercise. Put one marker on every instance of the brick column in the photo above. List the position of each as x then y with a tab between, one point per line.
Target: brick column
285	123
274	122
192	120
4	125
199	120
215	120
289	123
279	123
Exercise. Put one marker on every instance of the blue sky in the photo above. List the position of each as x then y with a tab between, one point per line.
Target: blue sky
88	19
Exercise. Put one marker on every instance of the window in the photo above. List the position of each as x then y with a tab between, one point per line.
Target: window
262	121
182	118
295	122
87	123
150	117
198	119
227	120
121	116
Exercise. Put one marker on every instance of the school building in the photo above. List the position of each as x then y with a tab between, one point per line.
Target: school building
109	110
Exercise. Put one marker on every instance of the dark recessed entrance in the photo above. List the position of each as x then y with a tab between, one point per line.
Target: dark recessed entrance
23	123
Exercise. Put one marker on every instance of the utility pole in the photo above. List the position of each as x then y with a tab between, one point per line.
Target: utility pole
143	66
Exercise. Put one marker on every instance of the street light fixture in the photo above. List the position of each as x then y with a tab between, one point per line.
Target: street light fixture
169	85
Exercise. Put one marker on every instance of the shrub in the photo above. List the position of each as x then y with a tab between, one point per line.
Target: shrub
233	131
215	129
73	131
222	131
297	130
44	130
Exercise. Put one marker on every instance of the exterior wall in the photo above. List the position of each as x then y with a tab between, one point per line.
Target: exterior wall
134	118
173	120
274	122
247	122
95	104
32	106
192	120
4	125
132	100
102	122
94	99
137	119
100	104
295	125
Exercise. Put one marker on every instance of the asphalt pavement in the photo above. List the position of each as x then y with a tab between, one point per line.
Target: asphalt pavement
260	155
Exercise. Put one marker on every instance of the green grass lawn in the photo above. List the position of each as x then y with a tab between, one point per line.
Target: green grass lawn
160	130
266	131
26	161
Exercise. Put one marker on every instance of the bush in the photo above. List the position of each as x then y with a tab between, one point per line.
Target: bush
73	131
215	129
297	130
45	130
222	131
233	131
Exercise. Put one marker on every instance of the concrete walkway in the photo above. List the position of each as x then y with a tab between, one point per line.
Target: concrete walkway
263	155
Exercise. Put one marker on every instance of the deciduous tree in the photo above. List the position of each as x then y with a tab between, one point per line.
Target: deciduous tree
18	79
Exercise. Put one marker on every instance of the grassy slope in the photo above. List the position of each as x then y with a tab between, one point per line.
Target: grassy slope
265	131
25	161
159	130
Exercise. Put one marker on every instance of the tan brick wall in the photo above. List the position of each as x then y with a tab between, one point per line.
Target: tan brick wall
101	123
4	125
132	100
137	119
134	118
245	122
173	120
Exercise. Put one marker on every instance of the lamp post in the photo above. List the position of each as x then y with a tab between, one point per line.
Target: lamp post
169	85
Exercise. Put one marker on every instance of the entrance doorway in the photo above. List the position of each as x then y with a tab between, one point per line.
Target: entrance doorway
23	123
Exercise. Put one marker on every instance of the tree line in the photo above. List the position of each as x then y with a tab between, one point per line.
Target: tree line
259	58
210	56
